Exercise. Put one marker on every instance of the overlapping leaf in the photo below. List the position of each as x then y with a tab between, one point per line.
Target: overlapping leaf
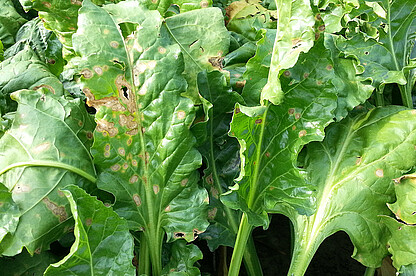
24	71
9	213
182	260
386	60
352	170
294	34
164	6
46	148
26	265
103	244
143	146
10	22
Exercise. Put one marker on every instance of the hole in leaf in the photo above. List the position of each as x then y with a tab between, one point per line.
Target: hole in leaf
193	43
125	92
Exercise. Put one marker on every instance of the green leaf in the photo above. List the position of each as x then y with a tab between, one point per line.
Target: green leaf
163	6
9	213
143	147
405	206
1	51
182	260
221	154
203	40
44	43
24	71
386	60
333	13
295	34
46	148
352	171
10	22
103	244
26	265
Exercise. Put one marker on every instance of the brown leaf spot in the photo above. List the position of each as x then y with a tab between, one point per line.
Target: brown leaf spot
293	127
184	182
318	17
267	154
58	211
258	121
125	93
52	61
379	173
212	213
137	199
41	147
107	154
156	189
108	127
50	88
216	62
305	75
114	44
129	141
133	179
125	166
76	2
86	73
106	31
134	162
237	110
47	4
115	167
329	67
181	114
319	83
98	70
287	73
161	50
89	135
203	4
21	188
107	147
297	116
291	111
302	133
167	209
358	160
321	28
121	151
37	250
209	179
88	221
214	192
240	84
132	132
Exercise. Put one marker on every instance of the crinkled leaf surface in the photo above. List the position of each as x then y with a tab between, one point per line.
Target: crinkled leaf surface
352	170
103	244
386	60
203	40
221	154
24	71
10	22
143	146
163	6
46	148
26	265
272	136
182	259
294	34
44	43
9	212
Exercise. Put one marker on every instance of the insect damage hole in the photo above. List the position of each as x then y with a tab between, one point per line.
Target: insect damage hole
125	92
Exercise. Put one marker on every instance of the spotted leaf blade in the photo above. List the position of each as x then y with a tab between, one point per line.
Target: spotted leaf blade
103	244
295	34
46	148
143	147
352	171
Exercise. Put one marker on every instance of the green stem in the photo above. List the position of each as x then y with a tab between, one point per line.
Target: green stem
379	98
144	261
251	260
406	96
369	271
240	246
154	245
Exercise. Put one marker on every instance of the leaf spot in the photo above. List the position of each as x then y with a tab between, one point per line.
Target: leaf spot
107	147
318	82
114	44
181	114
58	211
161	50
329	67
302	133
240	84
115	167
184	182
358	161
167	209
366	53
106	31
209	179
88	221
106	127
214	192
291	111
204	4
137	199
89	135
107	154
20	188
134	162
133	179
297	116
321	28
86	73
267	154
41	147
121	151
156	189
125	166
212	213
237	110
305	75
287	73
258	121
47	4
98	70
293	127
379	173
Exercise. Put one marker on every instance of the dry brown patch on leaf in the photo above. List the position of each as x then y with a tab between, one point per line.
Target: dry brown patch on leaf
216	62
105	126
58	211
110	102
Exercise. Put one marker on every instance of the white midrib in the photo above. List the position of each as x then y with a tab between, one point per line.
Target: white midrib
317	218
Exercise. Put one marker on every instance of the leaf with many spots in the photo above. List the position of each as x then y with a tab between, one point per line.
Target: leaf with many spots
103	244
46	148
352	172
182	259
143	147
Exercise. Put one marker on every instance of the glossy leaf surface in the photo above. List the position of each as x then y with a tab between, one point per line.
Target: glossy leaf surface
352	170
26	265
143	146
10	22
103	244
294	34
46	148
24	71
182	260
9	213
